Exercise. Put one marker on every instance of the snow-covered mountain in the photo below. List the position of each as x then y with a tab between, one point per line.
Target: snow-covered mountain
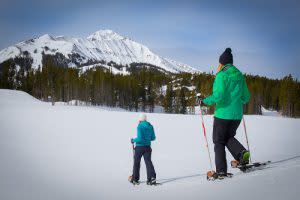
103	45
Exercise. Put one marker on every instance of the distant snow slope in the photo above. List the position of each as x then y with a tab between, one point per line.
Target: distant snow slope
80	153
15	97
267	112
103	45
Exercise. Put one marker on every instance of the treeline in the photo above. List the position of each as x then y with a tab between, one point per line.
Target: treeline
144	88
98	86
281	95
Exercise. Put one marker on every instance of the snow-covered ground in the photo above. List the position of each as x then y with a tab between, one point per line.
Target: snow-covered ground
79	152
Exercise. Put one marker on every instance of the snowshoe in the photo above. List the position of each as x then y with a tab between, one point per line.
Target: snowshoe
244	160
234	163
222	175
211	175
152	181
132	181
247	167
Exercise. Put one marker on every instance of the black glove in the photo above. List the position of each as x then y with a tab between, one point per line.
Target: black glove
200	100
201	103
131	140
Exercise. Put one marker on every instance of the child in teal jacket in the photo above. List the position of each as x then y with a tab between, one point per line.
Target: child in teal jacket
145	134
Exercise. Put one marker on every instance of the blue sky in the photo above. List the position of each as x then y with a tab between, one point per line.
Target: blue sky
264	35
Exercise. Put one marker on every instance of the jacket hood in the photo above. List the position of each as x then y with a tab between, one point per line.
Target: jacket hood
233	73
144	124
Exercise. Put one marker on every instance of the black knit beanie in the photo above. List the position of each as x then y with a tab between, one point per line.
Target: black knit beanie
226	57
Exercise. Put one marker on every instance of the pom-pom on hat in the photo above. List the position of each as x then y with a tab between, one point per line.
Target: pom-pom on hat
142	117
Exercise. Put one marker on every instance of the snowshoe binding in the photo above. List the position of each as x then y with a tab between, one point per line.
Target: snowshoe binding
244	165
223	175
234	163
247	167
132	181
211	175
242	162
152	181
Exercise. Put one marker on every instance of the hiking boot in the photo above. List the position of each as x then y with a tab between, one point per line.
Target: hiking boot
152	181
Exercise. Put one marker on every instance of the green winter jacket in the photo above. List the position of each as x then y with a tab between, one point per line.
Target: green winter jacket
230	92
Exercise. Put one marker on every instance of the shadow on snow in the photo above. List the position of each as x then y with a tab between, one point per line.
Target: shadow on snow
168	180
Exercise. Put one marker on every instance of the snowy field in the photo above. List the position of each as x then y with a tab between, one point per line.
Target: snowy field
84	153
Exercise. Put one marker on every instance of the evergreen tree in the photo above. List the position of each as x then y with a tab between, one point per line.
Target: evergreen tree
183	101
168	102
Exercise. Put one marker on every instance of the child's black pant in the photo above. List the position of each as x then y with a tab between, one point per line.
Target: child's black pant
144	151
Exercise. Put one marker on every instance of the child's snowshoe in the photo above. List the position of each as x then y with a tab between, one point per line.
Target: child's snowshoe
132	181
152	181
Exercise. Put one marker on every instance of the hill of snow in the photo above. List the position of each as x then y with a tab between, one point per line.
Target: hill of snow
267	112
67	152
103	45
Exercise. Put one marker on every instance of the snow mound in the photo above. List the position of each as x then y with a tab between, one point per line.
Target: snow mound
267	112
16	97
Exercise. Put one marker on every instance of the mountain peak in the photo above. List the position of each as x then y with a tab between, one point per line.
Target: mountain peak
102	46
105	34
46	36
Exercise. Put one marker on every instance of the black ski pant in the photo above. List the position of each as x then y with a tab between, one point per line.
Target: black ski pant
223	136
144	151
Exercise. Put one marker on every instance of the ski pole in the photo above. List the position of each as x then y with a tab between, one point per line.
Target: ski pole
246	135
204	132
133	149
133	152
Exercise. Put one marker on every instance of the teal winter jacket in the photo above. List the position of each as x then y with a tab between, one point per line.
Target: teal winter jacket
145	134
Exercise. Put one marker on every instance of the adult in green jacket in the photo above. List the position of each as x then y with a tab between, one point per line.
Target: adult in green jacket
230	93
